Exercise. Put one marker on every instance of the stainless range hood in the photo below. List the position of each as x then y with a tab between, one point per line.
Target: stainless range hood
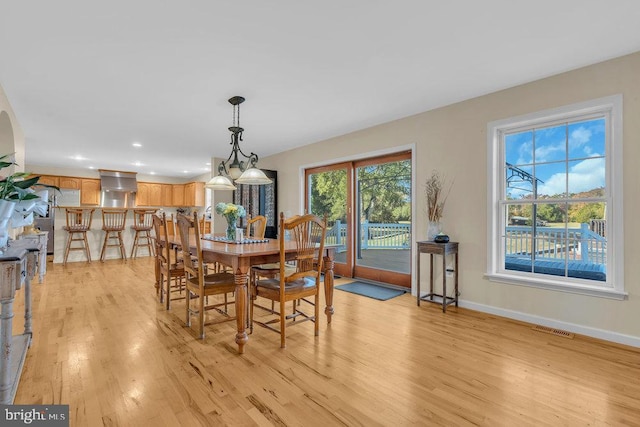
118	181
118	188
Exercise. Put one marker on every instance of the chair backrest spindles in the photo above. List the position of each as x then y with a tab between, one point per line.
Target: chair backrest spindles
143	218
113	219
79	219
308	232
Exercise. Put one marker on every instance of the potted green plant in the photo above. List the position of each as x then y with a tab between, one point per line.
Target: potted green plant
16	191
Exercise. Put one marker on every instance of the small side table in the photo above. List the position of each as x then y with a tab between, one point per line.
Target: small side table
443	249
40	240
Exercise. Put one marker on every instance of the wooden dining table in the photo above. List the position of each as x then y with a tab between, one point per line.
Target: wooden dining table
241	256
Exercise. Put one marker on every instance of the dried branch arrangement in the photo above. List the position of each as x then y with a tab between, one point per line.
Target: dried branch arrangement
436	195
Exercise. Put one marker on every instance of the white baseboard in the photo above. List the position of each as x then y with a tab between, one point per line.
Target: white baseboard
552	323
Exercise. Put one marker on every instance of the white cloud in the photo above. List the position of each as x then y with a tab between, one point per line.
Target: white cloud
545	152
579	137
524	153
583	176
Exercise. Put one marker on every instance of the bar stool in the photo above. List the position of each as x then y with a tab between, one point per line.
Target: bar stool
142	224
78	223
113	225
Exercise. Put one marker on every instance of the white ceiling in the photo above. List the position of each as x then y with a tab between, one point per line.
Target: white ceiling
90	78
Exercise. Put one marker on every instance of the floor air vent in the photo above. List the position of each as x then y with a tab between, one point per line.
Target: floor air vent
553	331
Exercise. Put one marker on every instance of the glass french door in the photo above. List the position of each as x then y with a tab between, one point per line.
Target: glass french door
368	203
329	191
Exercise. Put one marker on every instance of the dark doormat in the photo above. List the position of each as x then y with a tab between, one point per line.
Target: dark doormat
369	290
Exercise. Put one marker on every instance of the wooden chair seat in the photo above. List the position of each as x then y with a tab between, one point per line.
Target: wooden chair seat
177	266
267	268
214	280
299	285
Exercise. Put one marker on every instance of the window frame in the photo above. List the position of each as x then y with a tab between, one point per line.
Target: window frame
613	287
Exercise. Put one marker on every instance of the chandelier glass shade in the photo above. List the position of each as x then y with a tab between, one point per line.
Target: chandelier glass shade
235	169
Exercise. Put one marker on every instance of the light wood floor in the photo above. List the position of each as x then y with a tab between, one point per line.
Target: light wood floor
103	345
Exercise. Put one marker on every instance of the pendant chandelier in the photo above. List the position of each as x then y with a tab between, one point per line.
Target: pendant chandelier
234	169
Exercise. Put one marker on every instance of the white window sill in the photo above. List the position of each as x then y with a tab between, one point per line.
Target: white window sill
602	291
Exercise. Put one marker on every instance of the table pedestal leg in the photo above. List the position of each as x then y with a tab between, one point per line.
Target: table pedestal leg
241	308
328	286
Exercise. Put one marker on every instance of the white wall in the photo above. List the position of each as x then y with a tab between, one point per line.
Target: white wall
453	140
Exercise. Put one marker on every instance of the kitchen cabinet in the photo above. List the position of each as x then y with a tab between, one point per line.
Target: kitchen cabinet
194	194
167	194
148	194
155	194
89	191
177	195
70	183
142	196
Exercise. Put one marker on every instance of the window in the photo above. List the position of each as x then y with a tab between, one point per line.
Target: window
555	199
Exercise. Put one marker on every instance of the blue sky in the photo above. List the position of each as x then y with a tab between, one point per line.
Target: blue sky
573	152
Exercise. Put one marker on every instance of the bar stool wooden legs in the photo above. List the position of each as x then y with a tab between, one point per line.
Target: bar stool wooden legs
78	223
113	225
142	224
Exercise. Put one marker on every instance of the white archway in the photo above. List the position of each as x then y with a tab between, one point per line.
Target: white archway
7	140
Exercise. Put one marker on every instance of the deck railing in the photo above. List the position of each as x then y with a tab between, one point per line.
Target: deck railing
573	244
372	235
599	226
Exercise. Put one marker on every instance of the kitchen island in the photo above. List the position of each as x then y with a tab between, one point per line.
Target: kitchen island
95	236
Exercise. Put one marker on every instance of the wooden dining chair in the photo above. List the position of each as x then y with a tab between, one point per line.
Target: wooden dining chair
171	225
171	272
256	227
205	225
198	284
308	233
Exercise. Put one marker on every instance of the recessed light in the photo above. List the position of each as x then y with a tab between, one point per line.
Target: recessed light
91	167
208	164
137	144
137	163
185	171
152	173
78	157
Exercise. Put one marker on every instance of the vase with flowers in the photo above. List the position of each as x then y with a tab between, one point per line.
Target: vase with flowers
231	212
437	190
18	200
